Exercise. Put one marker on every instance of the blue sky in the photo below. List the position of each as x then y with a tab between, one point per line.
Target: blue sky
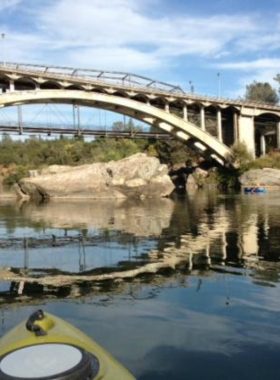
174	41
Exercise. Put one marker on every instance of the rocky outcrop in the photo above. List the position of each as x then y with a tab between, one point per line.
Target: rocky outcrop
138	176
261	177
188	178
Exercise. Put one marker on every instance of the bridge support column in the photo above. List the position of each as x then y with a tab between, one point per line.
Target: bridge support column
202	118
12	86
235	127
246	132
166	107
278	134
185	113
219	125
263	145
20	124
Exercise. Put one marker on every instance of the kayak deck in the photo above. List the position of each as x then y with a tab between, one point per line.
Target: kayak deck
53	330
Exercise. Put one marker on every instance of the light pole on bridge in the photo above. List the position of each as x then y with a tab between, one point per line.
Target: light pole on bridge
219	84
3	48
191	86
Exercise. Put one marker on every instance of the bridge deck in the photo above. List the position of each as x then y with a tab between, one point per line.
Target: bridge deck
123	81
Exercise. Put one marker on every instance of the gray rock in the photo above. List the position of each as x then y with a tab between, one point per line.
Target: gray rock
262	177
137	176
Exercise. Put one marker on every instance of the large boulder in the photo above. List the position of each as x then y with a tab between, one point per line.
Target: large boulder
262	177
136	176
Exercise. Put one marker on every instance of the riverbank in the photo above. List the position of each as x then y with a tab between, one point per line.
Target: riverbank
197	173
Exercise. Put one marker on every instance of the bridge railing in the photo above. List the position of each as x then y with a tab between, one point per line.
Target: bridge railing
113	77
129	80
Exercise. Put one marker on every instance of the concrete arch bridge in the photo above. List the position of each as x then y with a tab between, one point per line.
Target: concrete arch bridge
206	124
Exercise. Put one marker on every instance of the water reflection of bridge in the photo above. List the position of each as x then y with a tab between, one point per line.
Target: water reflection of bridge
237	232
247	235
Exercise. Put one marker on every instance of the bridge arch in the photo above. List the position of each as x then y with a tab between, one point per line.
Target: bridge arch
142	98
260	112
160	102
176	107
74	87
267	131
24	83
50	85
98	90
181	129
211	115
122	94
4	82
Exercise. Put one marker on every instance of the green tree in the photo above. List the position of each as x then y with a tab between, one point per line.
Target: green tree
119	126
261	92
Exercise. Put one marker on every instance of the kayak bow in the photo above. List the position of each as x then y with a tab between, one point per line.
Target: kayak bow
48	348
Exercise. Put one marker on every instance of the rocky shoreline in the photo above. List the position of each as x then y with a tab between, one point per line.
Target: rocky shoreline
267	177
138	176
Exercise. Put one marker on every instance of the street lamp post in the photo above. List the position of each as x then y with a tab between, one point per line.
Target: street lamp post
3	48
219	84
191	86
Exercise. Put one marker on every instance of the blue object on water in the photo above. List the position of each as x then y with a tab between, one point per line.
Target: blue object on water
255	189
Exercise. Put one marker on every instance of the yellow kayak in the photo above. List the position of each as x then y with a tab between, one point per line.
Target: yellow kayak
48	348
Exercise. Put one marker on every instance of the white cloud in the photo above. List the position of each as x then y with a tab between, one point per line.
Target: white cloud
260	70
115	57
265	75
4	4
120	23
120	34
124	35
267	42
266	63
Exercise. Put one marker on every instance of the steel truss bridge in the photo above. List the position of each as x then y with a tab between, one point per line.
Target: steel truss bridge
50	131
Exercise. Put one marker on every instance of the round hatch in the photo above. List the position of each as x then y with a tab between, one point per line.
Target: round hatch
49	361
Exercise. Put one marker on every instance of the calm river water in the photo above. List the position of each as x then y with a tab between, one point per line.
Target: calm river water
214	315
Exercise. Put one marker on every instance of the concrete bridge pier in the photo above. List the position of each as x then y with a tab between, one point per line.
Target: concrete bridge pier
246	132
219	125
12	85
185	113
263	145
278	134
202	118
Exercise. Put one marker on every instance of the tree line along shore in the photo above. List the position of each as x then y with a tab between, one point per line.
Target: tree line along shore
17	157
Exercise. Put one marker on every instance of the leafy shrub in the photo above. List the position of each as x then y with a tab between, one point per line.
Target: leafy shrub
270	160
241	157
15	175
